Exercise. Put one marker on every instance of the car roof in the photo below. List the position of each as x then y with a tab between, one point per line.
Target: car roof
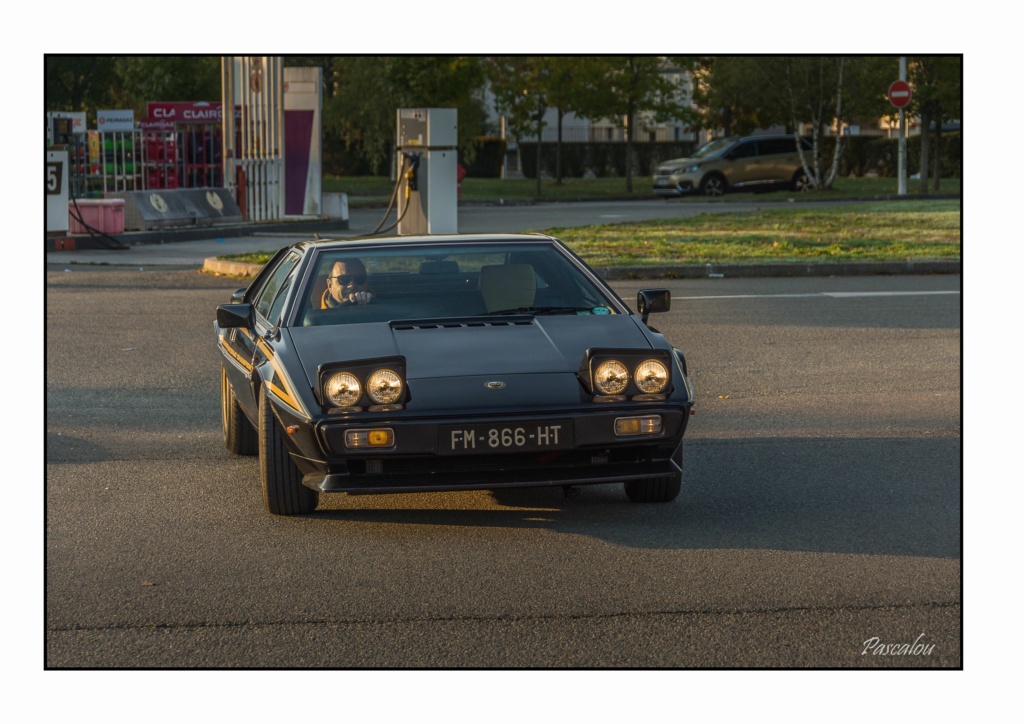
761	136
427	240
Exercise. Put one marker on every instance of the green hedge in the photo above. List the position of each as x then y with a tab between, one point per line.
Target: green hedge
861	155
490	154
868	154
601	158
344	159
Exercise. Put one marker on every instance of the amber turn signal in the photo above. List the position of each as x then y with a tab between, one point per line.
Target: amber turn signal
646	425
383	437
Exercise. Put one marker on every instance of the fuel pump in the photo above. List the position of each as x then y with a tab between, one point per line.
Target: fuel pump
412	162
427	167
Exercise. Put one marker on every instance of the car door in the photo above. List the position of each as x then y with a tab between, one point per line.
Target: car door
269	308
779	159
742	166
242	349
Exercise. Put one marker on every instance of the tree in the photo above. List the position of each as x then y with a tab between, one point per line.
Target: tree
814	86
167	78
566	76
88	83
823	91
619	88
369	90
79	83
520	86
937	82
746	93
731	94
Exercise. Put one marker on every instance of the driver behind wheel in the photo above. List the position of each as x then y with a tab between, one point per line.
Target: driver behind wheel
346	285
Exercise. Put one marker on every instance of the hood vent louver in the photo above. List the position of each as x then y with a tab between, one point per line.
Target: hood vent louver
418	324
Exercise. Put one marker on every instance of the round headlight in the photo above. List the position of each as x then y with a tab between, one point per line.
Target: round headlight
343	389
611	377
651	376
384	387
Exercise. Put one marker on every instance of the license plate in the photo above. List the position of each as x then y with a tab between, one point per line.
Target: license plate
504	437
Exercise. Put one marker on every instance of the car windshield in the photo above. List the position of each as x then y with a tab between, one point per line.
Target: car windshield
713	147
441	282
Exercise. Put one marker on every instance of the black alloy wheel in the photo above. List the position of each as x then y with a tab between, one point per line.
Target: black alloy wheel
713	185
802	182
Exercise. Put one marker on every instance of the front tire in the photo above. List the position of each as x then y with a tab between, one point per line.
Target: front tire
283	491
661	489
239	434
713	185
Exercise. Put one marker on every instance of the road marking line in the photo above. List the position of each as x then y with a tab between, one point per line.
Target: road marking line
818	295
886	294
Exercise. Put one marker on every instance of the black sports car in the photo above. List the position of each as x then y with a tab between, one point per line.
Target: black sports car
405	364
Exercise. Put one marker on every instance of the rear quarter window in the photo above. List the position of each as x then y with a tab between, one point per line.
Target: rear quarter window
777	145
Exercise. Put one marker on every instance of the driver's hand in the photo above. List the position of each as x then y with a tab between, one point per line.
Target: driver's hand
360	297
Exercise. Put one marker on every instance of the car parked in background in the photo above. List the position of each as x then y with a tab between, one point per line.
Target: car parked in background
734	164
404	364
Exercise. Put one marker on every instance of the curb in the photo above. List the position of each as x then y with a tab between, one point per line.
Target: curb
214	265
196	233
736	198
793	269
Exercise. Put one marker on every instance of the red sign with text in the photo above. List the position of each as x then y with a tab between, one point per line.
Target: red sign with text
187	111
899	93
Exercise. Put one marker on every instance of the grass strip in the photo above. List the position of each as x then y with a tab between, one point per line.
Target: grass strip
886	231
880	231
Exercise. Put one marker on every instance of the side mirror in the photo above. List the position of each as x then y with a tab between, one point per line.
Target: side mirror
231	316
652	301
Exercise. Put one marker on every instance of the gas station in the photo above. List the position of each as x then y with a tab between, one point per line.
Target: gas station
191	170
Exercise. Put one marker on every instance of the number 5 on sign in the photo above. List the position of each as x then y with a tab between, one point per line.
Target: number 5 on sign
56	191
54	173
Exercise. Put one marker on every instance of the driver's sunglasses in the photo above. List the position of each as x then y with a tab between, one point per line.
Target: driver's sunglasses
345	279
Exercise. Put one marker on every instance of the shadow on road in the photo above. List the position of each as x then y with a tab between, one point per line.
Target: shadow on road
859	496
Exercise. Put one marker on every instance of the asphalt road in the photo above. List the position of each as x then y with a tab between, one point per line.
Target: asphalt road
820	519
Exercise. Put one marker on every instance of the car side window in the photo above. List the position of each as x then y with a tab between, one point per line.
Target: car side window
745	150
271	298
778	145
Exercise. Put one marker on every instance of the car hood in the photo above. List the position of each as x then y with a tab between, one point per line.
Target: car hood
470	347
460	347
675	162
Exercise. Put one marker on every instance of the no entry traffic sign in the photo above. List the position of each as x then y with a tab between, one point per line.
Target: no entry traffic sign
899	93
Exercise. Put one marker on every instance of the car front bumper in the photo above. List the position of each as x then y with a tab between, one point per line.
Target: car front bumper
672	186
422	458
